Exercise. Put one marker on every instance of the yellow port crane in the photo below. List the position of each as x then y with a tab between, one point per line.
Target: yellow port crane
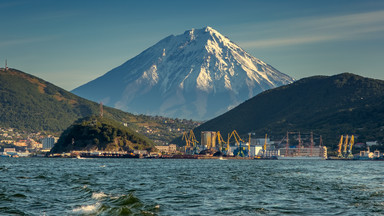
345	145
190	140
185	137
221	141
236	136
249	142
351	142
340	145
238	140
265	146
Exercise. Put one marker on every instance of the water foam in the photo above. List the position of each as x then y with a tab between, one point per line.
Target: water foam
98	195
87	209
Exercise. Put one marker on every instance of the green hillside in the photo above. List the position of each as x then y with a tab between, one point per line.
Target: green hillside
32	104
97	133
328	106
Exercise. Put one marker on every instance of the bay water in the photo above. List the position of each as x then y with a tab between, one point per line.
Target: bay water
63	186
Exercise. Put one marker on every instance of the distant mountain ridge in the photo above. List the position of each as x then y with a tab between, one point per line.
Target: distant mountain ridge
327	105
199	75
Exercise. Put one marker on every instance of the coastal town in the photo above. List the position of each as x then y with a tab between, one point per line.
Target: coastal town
17	143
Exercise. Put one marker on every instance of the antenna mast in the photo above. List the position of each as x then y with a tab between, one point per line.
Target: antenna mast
101	110
311	143
299	144
287	145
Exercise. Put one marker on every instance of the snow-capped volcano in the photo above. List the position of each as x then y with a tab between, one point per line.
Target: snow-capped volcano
196	75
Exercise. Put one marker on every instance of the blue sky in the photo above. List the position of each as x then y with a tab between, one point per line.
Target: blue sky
72	42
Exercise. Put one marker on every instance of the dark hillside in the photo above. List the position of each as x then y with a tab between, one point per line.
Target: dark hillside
96	133
30	103
330	106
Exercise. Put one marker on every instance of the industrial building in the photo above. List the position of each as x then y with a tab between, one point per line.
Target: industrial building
304	152
167	149
208	139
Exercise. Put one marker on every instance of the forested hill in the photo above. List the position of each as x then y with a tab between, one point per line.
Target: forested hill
327	105
100	133
32	104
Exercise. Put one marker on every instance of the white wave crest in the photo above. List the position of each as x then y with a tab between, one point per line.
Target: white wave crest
98	195
87	209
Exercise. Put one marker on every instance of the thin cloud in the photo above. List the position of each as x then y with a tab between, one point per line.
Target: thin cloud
14	42
285	41
317	29
352	20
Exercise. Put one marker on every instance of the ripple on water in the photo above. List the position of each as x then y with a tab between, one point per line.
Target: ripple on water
11	211
19	195
184	187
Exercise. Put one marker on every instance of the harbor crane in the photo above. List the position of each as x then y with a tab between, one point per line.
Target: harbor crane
190	142
185	137
351	142
239	151
345	145
221	141
340	145
265	146
236	136
192	139
347	151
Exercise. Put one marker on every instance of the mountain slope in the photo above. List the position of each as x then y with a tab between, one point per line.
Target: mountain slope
199	74
32	104
27	102
329	106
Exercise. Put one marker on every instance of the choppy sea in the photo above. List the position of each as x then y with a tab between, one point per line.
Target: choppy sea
59	186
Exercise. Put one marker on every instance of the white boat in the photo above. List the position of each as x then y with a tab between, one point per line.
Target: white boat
79	157
23	154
